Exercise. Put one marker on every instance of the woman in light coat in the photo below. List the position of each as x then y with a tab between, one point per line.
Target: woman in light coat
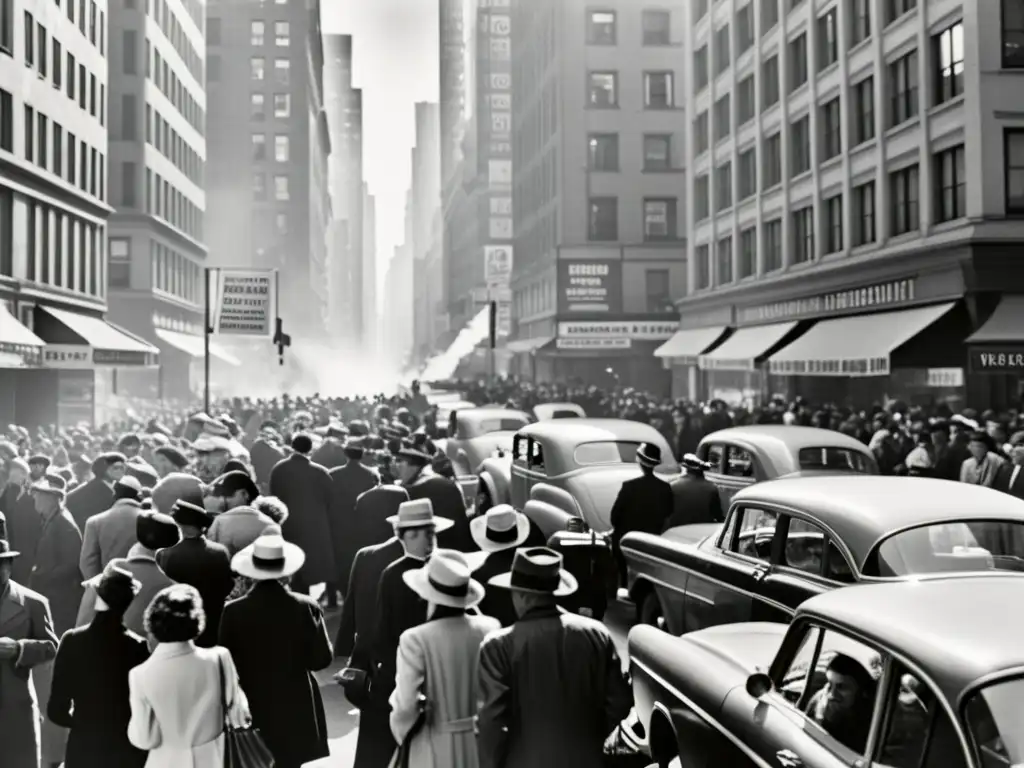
176	694
438	661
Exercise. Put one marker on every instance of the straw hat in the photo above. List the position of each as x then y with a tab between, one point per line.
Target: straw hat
446	580
269	557
502	527
419	513
537	570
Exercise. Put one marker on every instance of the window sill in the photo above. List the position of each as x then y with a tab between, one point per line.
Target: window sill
827	69
858	46
905	237
867	144
660	44
948	225
906	16
603	170
663	170
946	106
906	126
863	248
662	108
596	108
798	177
796	91
830	162
776	187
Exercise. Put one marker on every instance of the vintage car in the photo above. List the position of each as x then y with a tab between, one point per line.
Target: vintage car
587	458
787	540
546	411
475	434
919	674
742	456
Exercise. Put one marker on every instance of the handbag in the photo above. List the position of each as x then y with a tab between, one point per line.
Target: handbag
243	747
401	757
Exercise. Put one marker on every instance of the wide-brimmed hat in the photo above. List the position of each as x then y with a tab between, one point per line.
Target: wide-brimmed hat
502	527
234	481
269	557
187	513
446	579
50	483
648	454
690	461
6	553
413	453
419	513
116	586
538	571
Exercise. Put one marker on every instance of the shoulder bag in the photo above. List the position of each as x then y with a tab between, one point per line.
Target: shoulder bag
243	747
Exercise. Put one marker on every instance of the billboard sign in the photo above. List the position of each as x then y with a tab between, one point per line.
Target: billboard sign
591	285
244	303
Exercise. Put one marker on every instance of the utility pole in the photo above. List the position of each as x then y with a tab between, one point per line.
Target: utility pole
492	327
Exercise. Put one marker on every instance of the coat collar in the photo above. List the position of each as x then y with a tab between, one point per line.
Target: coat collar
139	554
12	604
299	457
170	650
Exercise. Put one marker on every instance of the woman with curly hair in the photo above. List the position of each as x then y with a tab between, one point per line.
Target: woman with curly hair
176	695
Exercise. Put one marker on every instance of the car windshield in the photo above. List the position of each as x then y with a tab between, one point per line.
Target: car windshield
504	424
611	452
954	546
835	459
995	720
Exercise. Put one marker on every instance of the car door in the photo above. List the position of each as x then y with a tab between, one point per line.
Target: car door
714	454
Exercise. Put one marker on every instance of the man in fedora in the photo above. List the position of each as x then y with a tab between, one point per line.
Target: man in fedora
418	478
97	495
237	523
331	452
499	533
348	483
643	504
201	563
284	697
111	534
695	499
568	688
27	641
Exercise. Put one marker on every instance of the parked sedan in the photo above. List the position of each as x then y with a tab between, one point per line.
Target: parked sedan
786	540
546	411
921	674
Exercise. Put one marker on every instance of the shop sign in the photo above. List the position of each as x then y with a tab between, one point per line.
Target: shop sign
67	356
497	264
590	286
245	302
997	360
638	330
867	366
945	377
118	357
890	294
592	343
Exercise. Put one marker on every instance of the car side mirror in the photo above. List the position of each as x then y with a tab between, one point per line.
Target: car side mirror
758	684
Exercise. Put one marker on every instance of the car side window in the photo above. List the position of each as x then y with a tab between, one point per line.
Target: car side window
738	462
916	731
520	450
805	547
837	568
755	533
453	424
713	456
536	456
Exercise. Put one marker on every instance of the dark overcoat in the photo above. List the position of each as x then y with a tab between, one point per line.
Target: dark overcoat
278	639
694	500
305	488
56	575
348	483
447	500
24	526
497	602
89	499
89	693
264	456
359	611
373	508
207	567
330	454
643	504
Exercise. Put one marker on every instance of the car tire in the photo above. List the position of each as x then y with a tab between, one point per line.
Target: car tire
651	612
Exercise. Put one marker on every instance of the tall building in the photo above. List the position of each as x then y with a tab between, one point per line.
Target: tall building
425	201
397	313
370	300
59	358
344	106
597	187
156	169
267	192
856	201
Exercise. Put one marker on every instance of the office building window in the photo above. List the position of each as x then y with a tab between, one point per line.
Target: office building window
657	27
259	186
769	15
701	135
860	21
258	68
828	39
603	89
904	193
896	8
771	161
659	291
58	64
282	34
833	224
601	28
1013	34
659	219
282	104
259	146
257	106
723	257
1013	151
58	149
129	44
863	94
7	45
745	102
772	241
603	224
71	66
30	37
951	186
800	146
6	121
864	214
903	89
803	235
744	29
257	33
119	255
700	68
282	71
42	140
948	48
723	187
702	255
657	152
700	9
281	149
748	253
72	163
604	151
722	52
658	90
831	130
797	61
701	197
723	125
41	59
128	174
129	117
770	82
746	173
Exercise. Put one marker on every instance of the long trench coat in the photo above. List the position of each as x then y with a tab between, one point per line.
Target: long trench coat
348	483
305	488
439	659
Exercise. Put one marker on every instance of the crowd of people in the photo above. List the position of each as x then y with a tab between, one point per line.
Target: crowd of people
155	579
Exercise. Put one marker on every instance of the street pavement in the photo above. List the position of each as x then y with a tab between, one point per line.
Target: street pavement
343	718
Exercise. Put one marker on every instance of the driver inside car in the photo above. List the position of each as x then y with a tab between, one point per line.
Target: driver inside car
844	705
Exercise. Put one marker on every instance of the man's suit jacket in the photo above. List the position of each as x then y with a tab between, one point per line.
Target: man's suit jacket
89	499
1005	475
643	504
24	617
448	501
109	535
348	483
142	565
264	455
694	500
89	692
56	575
359	611
305	488
552	688
398	609
24	526
330	455
207	567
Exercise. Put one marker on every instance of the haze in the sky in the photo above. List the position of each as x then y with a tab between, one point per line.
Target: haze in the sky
395	44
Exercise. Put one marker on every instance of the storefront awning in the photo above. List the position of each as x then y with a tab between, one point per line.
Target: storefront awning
854	346
524	346
19	347
192	345
80	341
686	346
1006	325
741	351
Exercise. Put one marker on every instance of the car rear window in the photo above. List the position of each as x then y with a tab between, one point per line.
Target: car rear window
605	452
487	426
836	459
562	414
950	547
